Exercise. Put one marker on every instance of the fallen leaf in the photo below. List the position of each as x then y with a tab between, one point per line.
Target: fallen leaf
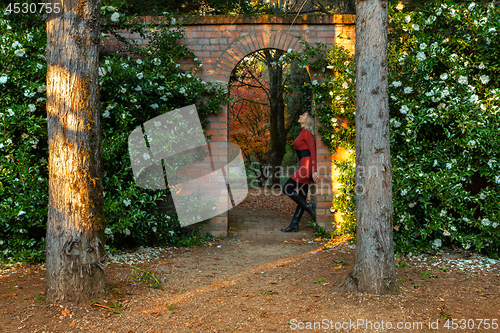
285	241
72	324
337	267
246	295
65	312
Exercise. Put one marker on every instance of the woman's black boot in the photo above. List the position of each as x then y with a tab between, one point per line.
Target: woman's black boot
294	225
308	207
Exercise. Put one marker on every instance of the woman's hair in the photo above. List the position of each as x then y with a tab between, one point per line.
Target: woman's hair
310	123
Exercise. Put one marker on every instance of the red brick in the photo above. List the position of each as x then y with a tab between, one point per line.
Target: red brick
324	204
212	34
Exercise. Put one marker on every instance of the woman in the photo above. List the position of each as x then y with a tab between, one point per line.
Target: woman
306	151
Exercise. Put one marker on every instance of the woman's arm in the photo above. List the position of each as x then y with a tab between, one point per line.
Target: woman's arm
311	145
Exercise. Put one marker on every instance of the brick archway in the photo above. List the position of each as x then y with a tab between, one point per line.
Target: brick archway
221	42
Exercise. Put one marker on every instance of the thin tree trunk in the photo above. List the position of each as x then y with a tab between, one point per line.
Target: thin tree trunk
374	271
75	237
277	129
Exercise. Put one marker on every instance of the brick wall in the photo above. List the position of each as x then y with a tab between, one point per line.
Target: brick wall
221	42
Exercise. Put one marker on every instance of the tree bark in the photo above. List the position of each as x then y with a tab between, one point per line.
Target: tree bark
374	271
75	227
276	115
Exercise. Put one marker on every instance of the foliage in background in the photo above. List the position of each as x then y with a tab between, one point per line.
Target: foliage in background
133	91
23	136
443	89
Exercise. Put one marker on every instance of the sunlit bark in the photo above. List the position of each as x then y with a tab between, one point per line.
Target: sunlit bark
75	237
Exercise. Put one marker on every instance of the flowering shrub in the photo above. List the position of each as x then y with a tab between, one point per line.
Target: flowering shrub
443	89
444	126
23	136
133	90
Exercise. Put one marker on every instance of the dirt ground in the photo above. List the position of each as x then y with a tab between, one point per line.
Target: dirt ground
248	286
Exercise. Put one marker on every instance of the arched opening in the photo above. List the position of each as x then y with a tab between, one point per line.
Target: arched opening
268	93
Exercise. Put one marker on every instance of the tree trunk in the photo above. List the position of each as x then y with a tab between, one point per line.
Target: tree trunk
277	115
374	271
75	237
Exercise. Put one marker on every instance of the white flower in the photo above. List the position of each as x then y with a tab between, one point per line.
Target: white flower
397	84
435	163
138	88
31	107
139	61
403	192
154	106
481	65
111	8
105	114
485	222
315	82
134	100
446	233
497	179
423	46
182	90
19	52
421	56
146	156
140	75
449	165
10	112
472	5
494	225
125	65
174	21
156	61
412	204
126	231
16	44
346	63
3	79
453	228
42	88
462	79
127	202
407	18
466	246
102	71
443	76
484	79
408	90
345	85
123	90
482	196
404	109
171	232
29	37
115	17
473	99
445	93
437	243
395	123
21	212
472	143
443	213
400	6
108	231
415	27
